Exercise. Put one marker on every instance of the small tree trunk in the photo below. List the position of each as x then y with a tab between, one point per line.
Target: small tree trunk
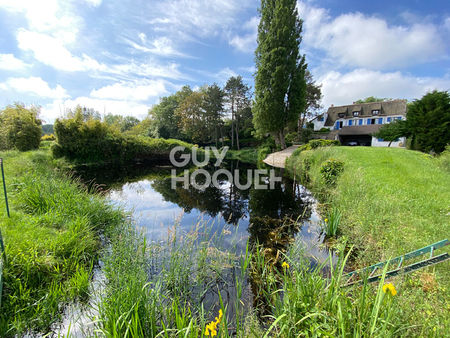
282	140
237	133
389	144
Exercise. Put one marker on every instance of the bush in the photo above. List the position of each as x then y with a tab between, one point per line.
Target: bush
330	170
20	128
94	141
48	137
263	152
292	137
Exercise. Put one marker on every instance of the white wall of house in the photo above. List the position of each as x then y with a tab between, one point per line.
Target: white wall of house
319	122
380	143
354	122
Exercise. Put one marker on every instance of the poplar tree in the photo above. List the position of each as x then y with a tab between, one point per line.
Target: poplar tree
280	69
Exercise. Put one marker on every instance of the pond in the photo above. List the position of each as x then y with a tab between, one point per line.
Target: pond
227	213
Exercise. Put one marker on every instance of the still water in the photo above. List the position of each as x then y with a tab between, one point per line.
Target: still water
242	214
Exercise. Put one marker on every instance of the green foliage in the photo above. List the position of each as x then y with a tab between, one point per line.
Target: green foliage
48	137
392	131
120	123
94	141
263	152
313	144
330	170
428	121
392	201
52	242
280	69
323	130
20	128
331	223
47	129
371	99
292	138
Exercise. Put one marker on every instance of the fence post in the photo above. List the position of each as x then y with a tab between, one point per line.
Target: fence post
4	187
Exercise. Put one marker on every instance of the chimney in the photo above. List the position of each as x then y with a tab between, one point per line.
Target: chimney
332	105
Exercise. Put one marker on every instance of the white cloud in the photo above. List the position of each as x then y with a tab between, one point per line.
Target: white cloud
34	86
51	51
94	3
47	16
161	46
131	91
359	40
10	62
57	108
345	88
247	42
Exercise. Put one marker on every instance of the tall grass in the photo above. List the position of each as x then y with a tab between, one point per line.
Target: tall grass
392	201
52	239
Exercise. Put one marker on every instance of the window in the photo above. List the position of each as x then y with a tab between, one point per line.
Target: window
356	113
350	122
375	112
380	140
360	122
389	119
380	120
398	118
341	115
321	119
370	121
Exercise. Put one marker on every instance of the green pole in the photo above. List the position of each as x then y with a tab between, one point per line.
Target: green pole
4	187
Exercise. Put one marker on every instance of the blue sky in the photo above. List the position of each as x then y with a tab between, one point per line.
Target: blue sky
121	56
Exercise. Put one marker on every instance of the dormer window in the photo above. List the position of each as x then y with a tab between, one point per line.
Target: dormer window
356	113
341	115
375	112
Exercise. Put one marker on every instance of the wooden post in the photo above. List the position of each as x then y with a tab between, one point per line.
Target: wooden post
4	187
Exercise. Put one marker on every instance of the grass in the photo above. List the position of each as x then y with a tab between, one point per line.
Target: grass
392	201
169	301
53	241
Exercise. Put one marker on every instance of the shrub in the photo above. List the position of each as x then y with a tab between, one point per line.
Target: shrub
292	137
331	223
20	128
330	170
263	152
48	137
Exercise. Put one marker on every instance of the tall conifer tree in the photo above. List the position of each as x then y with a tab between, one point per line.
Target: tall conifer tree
280	69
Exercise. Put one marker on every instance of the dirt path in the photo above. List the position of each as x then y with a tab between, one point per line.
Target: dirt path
278	159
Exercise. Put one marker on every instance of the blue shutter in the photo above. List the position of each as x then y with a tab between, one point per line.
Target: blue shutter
380	120
388	119
368	121
380	140
360	122
337	125
350	122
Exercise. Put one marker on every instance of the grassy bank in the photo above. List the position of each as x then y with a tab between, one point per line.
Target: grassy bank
392	201
247	155
53	240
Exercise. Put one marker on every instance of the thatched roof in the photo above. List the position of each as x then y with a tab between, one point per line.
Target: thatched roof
386	108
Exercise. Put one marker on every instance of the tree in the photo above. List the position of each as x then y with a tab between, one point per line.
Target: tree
280	69
237	95
371	99
20	127
192	117
392	131
313	97
213	97
166	121
119	122
429	122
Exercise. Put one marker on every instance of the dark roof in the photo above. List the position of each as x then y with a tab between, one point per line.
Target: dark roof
386	108
360	130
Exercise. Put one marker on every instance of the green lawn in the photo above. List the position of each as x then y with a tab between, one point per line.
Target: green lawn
392	201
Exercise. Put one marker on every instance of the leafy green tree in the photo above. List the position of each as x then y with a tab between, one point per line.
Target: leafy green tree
192	115
20	127
213	105
313	97
392	131
237	96
280	85
371	99
120	122
166	121
85	113
429	121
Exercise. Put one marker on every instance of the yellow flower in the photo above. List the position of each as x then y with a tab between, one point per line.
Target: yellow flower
326	220
389	287
211	328
285	265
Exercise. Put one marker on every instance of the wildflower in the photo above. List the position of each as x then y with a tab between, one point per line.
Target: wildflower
326	220
389	288
211	328
285	265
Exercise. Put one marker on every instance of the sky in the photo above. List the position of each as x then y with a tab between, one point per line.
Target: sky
121	56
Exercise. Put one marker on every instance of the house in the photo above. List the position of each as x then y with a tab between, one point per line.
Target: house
354	124
319	121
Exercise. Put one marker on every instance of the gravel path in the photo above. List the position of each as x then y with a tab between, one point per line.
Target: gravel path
278	159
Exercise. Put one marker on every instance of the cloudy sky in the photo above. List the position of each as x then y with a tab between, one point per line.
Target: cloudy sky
121	56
